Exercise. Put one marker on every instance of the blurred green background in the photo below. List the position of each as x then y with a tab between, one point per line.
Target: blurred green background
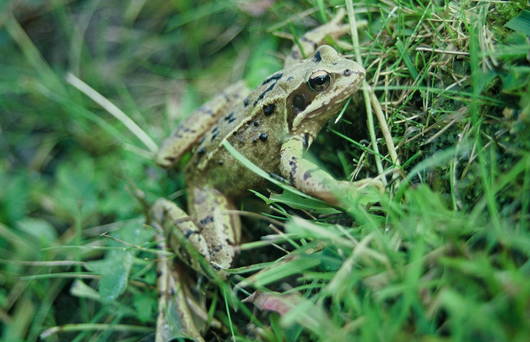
69	170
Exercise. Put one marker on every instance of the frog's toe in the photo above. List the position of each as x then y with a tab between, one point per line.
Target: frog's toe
364	192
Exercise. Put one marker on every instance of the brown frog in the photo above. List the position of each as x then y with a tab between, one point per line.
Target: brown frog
272	126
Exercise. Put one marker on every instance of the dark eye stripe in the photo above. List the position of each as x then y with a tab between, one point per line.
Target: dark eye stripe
299	102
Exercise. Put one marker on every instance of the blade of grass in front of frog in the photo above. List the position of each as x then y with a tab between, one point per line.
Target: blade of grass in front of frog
342	111
254	168
112	109
308	204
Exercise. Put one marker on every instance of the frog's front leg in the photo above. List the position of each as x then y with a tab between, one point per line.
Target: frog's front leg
312	180
311	40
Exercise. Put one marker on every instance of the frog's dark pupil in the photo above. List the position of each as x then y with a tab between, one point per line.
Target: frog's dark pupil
319	82
299	102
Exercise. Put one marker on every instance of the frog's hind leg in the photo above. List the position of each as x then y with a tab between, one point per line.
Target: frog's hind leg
176	301
170	216
311	40
193	128
220	229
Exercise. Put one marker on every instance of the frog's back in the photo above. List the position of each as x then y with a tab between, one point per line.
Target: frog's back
256	128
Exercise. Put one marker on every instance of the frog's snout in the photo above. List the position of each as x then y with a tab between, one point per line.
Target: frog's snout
354	69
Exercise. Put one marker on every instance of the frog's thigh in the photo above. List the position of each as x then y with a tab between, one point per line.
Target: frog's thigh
311	40
170	216
193	128
220	229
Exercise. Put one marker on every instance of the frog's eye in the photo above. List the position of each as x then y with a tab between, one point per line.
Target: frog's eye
319	80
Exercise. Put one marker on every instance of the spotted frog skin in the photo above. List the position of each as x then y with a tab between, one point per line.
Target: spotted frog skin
272	126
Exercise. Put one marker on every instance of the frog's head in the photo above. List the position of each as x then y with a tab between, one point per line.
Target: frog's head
317	87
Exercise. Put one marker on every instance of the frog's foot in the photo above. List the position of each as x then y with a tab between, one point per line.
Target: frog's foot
311	40
314	181
364	191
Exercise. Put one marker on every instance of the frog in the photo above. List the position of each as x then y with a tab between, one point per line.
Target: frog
272	126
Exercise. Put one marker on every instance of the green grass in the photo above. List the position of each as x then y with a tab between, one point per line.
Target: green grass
441	255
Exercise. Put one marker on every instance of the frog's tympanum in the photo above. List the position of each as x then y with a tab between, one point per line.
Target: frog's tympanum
272	126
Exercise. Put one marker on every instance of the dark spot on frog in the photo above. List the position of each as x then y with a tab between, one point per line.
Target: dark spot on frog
246	101
292	172
215	133
317	57
206	220
263	136
189	233
307	175
269	109
201	151
216	249
220	162
274	77
347	72
256	123
230	117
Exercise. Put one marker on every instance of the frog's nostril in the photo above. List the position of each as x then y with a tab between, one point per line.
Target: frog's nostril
347	72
